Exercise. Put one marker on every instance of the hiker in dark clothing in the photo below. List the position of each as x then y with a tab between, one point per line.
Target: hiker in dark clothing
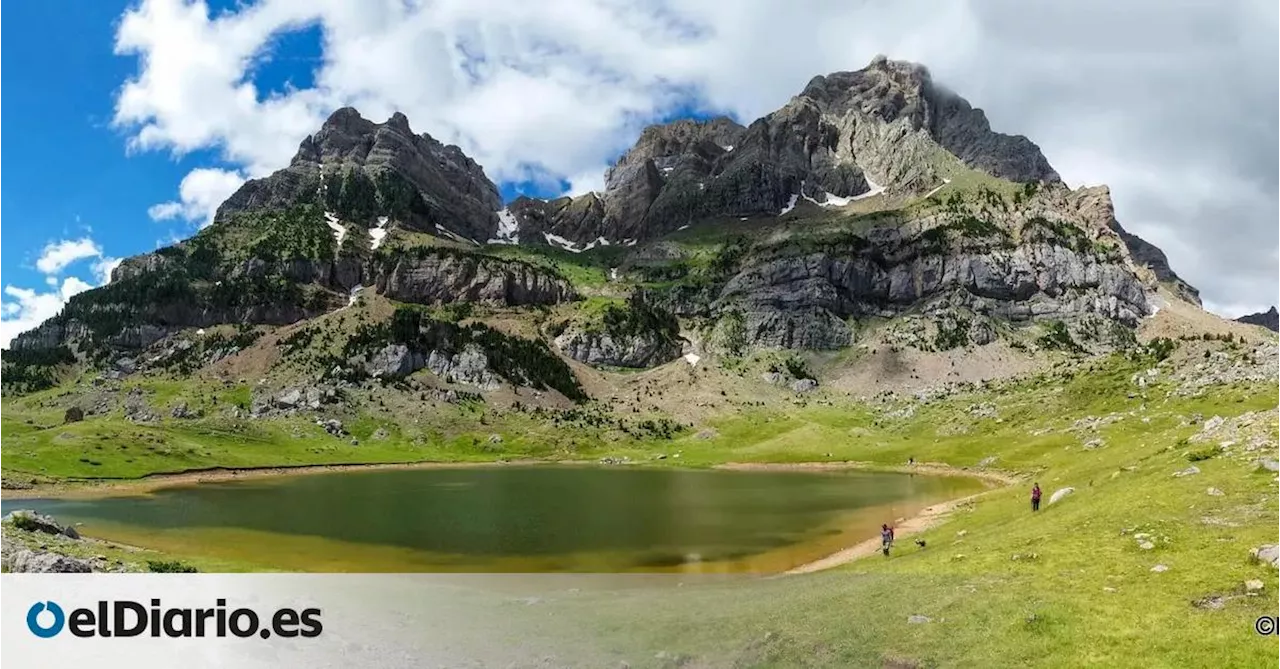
1035	497
886	539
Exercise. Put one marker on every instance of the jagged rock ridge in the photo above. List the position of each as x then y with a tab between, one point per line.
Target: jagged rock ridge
847	134
1269	319
361	170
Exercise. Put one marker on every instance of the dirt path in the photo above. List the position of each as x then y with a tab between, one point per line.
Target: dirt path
922	521
916	524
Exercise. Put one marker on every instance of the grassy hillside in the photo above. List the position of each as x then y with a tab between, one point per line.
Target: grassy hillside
1071	585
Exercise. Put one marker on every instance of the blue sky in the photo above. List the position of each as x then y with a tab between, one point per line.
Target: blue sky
81	196
76	176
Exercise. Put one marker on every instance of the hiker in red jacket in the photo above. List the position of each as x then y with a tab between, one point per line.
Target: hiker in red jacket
1035	497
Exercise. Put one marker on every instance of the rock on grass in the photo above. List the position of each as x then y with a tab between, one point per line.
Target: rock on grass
1266	554
31	562
30	521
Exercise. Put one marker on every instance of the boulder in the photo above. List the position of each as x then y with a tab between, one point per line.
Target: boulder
1267	554
24	561
394	361
31	521
804	385
73	415
333	426
289	398
1060	495
181	410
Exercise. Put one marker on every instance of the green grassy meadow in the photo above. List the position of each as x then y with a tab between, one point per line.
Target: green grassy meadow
1071	585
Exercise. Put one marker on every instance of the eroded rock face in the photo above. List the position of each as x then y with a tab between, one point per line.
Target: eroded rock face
638	351
439	278
1268	319
805	301
1146	254
361	170
394	361
637	335
967	265
469	366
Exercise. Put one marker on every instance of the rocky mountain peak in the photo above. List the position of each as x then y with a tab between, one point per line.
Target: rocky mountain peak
893	92
361	171
886	127
1269	319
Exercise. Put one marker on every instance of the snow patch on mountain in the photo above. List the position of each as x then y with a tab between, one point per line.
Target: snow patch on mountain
508	228
378	233
339	230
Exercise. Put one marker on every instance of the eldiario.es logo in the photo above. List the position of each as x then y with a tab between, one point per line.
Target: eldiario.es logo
124	618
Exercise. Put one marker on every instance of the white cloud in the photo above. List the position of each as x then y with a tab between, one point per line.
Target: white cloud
24	308
554	89
57	255
103	268
28	308
200	193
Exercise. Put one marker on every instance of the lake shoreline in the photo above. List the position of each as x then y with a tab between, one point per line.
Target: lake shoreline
82	488
926	519
916	521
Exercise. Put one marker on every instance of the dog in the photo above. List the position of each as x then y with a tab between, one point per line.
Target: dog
920	543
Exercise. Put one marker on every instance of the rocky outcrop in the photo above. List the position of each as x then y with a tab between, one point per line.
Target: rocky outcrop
187	286
394	361
32	521
36	528
434	276
1019	266
473	354
361	170
1268	319
469	366
599	349
803	302
1146	254
21	560
638	335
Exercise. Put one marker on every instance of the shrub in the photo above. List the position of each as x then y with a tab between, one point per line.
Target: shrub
1204	453
170	567
26	523
1057	337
